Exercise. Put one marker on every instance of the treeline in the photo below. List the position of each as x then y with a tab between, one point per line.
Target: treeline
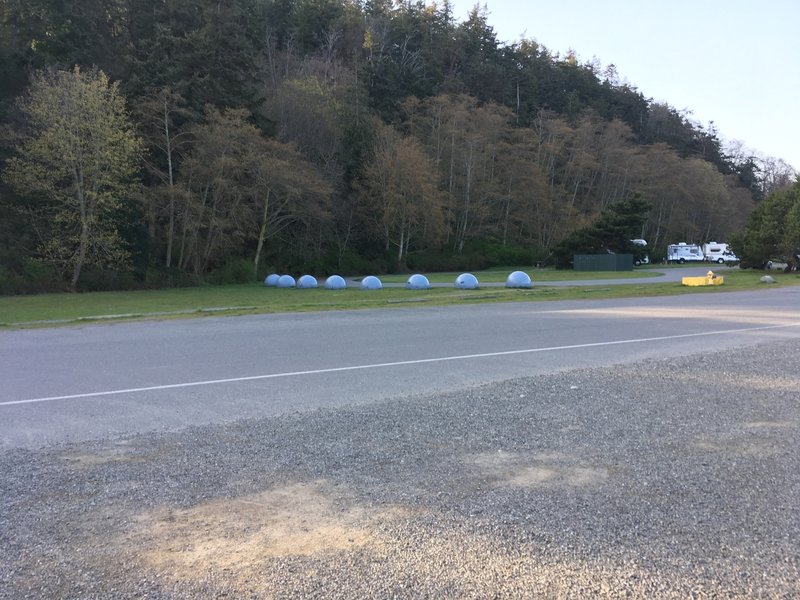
151	142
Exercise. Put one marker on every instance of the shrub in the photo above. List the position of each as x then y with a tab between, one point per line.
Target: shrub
239	270
10	283
30	277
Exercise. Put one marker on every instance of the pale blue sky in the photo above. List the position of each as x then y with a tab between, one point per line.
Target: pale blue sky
734	62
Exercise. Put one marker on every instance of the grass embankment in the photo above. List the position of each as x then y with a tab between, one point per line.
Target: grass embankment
255	298
500	275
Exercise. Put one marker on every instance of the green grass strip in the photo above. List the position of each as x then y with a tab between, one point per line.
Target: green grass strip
48	310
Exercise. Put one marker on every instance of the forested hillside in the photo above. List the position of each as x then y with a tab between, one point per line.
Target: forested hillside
159	142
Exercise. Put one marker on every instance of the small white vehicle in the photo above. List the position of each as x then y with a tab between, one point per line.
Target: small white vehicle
683	252
643	258
719	253
777	265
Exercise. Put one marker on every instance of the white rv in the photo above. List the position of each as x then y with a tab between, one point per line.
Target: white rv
683	252
719	253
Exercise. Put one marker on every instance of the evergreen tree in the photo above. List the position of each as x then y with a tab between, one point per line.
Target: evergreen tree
612	232
772	231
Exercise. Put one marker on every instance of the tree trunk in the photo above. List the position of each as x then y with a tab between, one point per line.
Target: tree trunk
81	258
262	235
401	246
83	245
463	223
343	243
171	230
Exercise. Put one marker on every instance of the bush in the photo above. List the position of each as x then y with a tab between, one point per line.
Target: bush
432	262
239	270
353	263
30	277
495	254
101	280
477	255
40	277
161	277
10	283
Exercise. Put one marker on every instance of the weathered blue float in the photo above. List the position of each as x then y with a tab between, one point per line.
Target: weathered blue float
286	281
371	283
418	282
467	281
307	282
518	279
335	282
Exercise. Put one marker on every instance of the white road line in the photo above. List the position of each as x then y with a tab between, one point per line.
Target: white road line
400	363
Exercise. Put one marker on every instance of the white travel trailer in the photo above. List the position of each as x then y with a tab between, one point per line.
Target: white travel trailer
683	252
719	253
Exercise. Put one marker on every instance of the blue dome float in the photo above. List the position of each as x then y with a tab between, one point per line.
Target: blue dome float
335	282
286	281
467	281
418	282
307	282
371	283
272	280
518	279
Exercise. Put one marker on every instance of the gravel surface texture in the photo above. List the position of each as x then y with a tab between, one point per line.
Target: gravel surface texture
666	479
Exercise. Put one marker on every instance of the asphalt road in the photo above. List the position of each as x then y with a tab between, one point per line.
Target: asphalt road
92	382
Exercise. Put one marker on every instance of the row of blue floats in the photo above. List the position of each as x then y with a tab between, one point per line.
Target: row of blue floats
465	281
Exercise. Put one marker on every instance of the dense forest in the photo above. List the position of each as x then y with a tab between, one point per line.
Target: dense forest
158	142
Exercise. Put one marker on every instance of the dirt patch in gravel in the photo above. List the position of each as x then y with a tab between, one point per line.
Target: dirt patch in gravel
505	468
242	534
769	383
771	424
119	452
753	448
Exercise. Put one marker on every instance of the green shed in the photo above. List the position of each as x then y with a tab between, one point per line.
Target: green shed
602	262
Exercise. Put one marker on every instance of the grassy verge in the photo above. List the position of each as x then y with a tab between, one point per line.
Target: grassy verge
54	309
500	275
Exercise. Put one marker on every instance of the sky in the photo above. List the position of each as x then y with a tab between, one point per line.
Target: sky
733	62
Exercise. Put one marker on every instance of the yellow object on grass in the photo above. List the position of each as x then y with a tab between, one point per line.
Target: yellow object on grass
709	279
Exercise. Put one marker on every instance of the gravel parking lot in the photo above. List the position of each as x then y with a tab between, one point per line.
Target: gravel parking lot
666	479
